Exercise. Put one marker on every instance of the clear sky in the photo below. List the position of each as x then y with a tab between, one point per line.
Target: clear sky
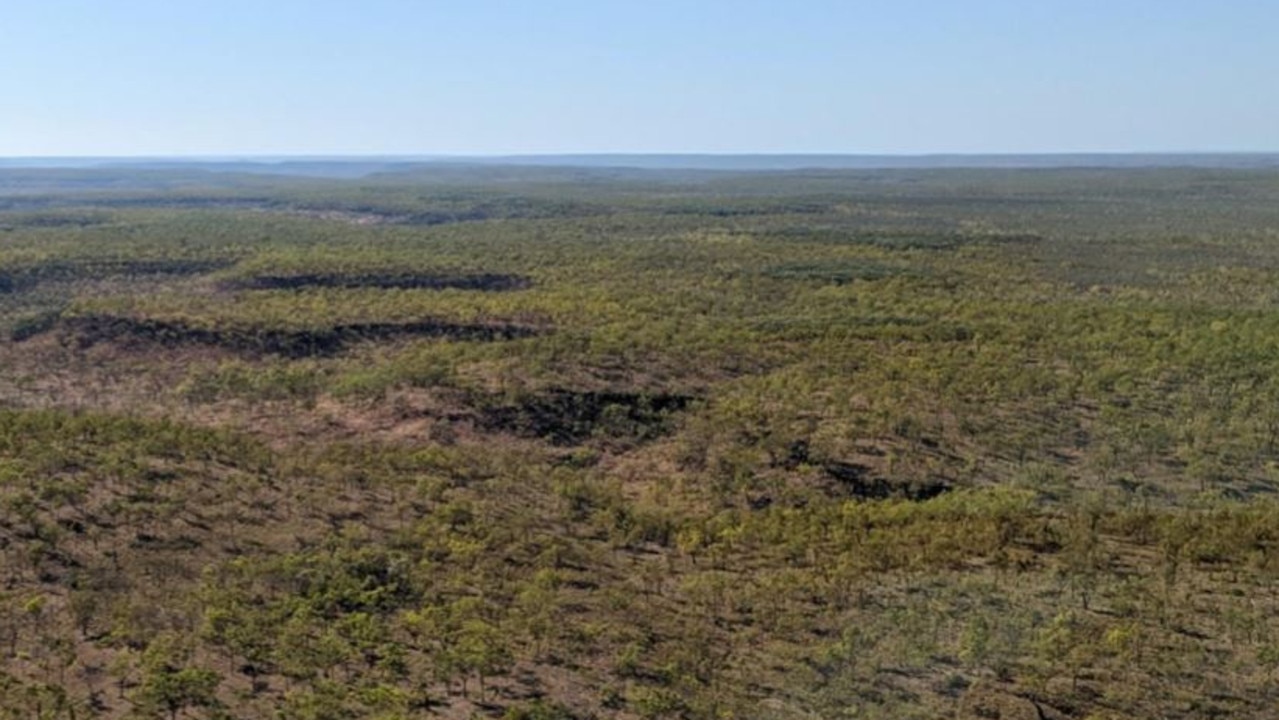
239	77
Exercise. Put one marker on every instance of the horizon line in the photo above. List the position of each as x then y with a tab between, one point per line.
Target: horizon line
724	154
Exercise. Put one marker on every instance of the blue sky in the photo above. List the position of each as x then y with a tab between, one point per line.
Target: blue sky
237	77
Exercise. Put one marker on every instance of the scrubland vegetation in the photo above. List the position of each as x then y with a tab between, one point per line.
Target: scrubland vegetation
556	443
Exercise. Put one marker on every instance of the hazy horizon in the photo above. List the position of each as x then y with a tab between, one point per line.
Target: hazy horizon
361	166
148	79
448	157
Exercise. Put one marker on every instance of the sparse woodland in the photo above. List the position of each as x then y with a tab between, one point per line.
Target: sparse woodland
545	444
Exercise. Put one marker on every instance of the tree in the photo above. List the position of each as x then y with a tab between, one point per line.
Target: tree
482	649
168	685
173	690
